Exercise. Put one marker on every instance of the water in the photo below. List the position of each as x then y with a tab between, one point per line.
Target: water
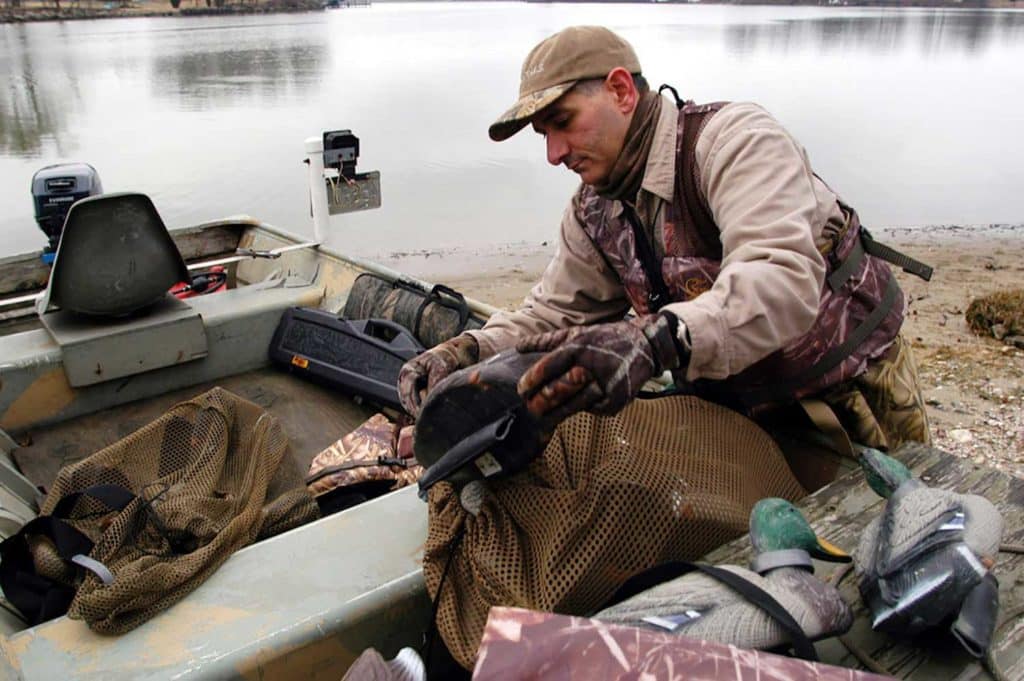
915	116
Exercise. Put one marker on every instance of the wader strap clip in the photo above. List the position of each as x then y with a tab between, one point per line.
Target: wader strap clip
891	255
867	244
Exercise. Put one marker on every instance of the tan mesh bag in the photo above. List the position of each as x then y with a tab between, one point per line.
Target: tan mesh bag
209	479
665	479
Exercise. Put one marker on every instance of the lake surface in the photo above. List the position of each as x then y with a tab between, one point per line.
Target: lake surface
914	116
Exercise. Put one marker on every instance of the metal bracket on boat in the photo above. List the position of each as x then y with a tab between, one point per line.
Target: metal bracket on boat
246	253
334	185
253	253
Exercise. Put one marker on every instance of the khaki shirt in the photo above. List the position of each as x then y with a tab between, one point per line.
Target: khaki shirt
772	212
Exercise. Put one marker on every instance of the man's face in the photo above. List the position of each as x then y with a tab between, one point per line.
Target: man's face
585	130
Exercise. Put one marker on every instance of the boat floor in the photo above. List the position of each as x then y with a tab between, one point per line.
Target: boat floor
312	416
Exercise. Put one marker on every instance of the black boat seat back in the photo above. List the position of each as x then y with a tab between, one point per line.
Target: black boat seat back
115	257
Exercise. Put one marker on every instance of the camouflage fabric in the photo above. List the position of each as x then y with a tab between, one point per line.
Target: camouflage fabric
692	262
432	317
376	450
883	407
421	373
595	368
523	644
371	666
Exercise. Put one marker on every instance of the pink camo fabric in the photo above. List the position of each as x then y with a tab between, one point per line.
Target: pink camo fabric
523	644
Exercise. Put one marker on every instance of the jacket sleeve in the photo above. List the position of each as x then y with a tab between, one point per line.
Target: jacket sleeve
760	190
577	288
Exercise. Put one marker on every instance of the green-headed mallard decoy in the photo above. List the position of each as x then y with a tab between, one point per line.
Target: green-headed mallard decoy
927	558
700	606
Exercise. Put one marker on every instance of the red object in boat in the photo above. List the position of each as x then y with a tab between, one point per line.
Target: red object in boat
213	280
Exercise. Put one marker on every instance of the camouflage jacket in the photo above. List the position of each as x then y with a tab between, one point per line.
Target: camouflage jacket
691	261
746	234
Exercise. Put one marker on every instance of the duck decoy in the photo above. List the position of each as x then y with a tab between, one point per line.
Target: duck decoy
474	424
927	560
702	606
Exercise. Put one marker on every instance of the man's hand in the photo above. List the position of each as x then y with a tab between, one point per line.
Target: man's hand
597	368
421	373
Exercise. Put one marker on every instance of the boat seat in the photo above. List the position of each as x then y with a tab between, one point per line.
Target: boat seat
115	257
110	280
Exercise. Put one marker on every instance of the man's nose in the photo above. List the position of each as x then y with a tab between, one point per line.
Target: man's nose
557	149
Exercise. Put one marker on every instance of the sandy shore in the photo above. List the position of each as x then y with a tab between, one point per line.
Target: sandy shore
974	387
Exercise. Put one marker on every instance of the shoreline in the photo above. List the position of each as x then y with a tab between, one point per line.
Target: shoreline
480	265
163	8
149	9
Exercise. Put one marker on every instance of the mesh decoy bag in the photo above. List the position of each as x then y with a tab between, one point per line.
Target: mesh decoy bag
665	479
155	514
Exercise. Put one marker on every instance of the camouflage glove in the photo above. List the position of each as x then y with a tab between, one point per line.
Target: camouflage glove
421	373
597	368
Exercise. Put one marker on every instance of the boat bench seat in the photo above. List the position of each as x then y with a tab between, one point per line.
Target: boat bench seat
238	325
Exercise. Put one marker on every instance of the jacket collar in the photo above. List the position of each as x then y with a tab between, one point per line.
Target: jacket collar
659	175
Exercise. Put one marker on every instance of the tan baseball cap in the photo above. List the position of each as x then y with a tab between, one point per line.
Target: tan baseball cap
556	64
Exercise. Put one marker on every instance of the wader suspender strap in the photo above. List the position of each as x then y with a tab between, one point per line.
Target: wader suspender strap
658	297
37	597
840	275
824	419
700	220
867	244
802	646
832	358
693	205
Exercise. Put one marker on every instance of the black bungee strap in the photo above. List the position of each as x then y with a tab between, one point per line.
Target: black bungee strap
680	103
801	645
831	359
658	296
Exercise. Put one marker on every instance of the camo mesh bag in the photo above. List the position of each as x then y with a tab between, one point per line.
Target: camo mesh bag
665	479
210	477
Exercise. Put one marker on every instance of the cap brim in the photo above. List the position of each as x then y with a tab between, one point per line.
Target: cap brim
516	118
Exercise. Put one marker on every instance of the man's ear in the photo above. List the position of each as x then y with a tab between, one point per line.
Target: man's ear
619	83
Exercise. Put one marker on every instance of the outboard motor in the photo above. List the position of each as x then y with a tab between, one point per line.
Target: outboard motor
54	189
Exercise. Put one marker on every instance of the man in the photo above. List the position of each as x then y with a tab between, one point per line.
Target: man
748	274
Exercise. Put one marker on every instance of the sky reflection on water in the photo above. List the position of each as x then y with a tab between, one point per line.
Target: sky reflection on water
913	115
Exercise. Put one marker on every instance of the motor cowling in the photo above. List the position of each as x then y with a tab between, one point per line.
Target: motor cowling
55	189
